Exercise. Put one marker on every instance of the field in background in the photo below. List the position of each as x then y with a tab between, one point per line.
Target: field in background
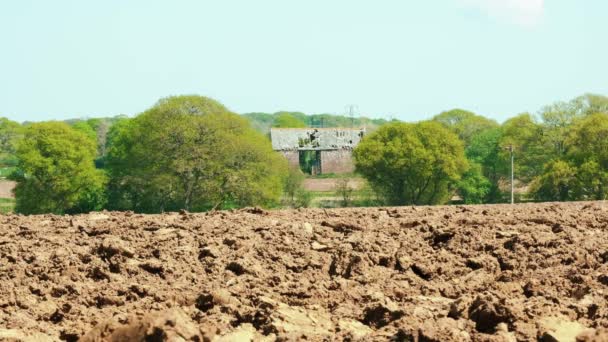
7	199
6	171
326	191
330	184
6	205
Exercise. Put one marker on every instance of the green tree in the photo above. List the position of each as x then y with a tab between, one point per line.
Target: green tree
557	182
97	129
9	135
589	140
296	195
556	121
581	172
588	148
473	186
525	134
591	182
287	120
484	149
590	104
190	152
261	122
412	163
465	124
293	184
86	128
56	171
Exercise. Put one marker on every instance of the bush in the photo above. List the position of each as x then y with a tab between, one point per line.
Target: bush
303	198
344	191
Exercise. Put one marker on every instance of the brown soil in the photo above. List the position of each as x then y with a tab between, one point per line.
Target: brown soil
483	273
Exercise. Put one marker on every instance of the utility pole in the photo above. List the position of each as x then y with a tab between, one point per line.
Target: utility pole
351	112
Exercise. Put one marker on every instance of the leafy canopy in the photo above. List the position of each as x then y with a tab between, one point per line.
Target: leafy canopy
525	134
484	150
464	123
56	171
589	140
10	132
412	163
190	152
287	120
473	187
582	171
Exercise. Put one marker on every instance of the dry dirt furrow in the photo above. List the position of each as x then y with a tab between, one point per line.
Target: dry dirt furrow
457	273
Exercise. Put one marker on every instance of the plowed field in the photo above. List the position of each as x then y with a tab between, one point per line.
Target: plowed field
458	273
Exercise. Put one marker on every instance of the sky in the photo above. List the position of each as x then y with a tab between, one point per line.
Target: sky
391	58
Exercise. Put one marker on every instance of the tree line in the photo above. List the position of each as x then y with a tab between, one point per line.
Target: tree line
263	122
561	154
191	152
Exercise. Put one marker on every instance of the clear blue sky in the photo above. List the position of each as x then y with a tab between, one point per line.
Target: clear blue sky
406	59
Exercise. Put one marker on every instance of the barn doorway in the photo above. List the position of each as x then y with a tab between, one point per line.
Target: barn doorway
310	162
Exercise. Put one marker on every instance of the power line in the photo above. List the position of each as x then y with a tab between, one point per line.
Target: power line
511	150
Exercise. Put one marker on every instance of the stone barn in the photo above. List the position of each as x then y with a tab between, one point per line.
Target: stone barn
318	150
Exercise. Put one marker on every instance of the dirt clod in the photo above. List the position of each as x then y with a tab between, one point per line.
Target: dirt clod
457	273
488	312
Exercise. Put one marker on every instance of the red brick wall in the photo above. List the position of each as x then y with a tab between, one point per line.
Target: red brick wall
338	161
293	158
